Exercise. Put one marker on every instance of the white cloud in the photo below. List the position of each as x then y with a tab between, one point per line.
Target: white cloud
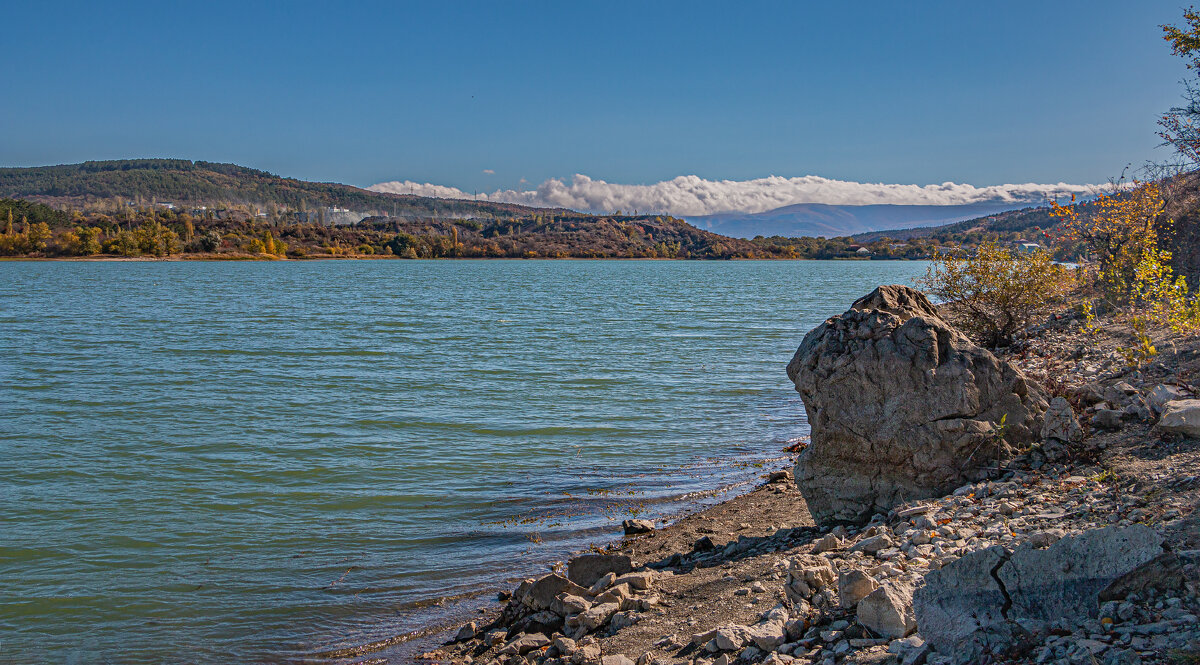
691	195
489	171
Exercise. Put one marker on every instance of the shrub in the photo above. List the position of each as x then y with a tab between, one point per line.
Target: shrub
998	291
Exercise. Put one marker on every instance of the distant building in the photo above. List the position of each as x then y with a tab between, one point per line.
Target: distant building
862	251
1028	247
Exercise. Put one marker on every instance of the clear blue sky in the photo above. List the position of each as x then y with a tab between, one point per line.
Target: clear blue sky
357	92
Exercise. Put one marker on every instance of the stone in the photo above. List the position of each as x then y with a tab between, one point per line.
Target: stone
1072	576
960	609
988	600
596	615
566	604
523	644
902	407
602	584
633	527
564	645
1181	416
1161	394
1060	422
853	586
586	653
827	543
541	594
780	476
586	569
888	611
873	544
641	580
467	632
703	544
616	659
808	574
1109	419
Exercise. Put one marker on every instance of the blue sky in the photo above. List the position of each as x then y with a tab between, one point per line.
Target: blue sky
638	92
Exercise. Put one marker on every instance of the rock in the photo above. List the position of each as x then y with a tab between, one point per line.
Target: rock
767	636
495	637
960	609
615	594
641	581
888	611
467	632
827	543
597	615
523	644
986	601
541	594
1060	422
873	544
585	569
1070	577
703	544
808	574
1109	419
566	604
616	659
633	527
602	584
623	619
1161	394
780	476
564	645
1181	416
586	653
853	586
902	407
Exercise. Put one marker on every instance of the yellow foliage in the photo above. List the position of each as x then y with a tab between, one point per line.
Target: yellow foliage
998	291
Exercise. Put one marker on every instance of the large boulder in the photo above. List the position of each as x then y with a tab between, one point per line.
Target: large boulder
986	601
1181	416
902	406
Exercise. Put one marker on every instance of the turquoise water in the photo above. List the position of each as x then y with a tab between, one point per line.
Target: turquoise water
259	462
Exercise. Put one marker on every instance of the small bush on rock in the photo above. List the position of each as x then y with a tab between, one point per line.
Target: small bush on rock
998	291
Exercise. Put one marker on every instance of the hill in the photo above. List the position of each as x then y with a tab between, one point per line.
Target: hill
209	184
831	221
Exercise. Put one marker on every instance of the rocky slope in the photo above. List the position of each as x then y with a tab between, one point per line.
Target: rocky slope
1080	548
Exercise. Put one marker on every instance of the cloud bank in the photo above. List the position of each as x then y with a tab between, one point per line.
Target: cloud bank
693	196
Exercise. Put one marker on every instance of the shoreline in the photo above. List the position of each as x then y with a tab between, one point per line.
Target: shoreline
676	527
431	633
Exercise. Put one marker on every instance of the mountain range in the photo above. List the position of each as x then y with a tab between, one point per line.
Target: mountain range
832	221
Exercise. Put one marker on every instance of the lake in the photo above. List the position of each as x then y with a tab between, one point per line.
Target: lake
254	461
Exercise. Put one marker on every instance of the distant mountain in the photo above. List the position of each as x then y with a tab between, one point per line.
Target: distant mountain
831	221
209	183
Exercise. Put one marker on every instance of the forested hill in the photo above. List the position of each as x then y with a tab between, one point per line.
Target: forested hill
208	183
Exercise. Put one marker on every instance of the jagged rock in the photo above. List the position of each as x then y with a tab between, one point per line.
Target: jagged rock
827	543
615	594
780	476
641	581
873	544
1181	416
703	544
602	584
808	574
888	611
1060	422
960	609
523	644
566	604
585	569
1109	419
616	659
597	615
541	594
1069	577
1161	394
902	407
853	586
564	645
586	653
986	601
633	527
467	632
